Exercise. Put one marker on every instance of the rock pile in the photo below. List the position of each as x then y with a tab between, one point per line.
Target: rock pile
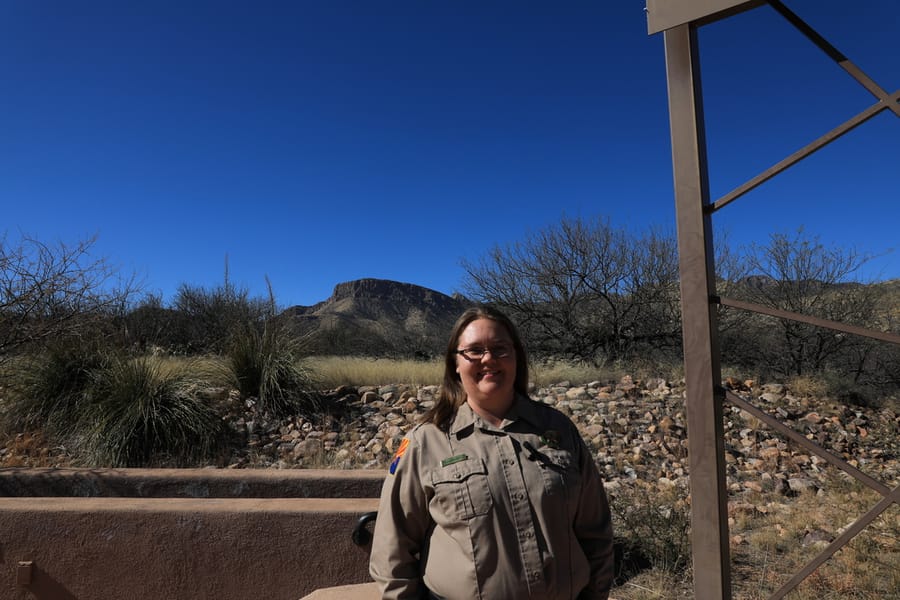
636	430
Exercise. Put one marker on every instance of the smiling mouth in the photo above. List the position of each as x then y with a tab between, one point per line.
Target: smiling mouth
490	374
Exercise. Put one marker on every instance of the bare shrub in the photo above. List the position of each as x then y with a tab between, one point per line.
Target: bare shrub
54	291
585	290
654	527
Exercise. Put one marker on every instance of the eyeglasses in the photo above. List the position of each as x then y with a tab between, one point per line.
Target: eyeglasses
478	352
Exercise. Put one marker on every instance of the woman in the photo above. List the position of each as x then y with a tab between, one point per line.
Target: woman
493	495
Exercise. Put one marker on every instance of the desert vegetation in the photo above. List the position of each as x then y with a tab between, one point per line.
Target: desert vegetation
93	372
766	550
587	291
334	371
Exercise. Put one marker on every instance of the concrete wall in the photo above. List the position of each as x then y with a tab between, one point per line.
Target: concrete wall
192	483
122	548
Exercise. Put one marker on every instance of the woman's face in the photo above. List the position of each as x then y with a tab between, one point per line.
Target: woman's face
489	379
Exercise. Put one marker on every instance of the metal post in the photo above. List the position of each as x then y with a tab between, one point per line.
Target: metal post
709	500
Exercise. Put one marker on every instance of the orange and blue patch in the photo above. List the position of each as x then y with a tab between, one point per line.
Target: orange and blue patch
400	452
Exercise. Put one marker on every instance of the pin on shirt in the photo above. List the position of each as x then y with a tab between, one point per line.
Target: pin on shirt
551	438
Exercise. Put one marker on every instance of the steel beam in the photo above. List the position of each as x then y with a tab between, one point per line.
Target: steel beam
709	498
665	14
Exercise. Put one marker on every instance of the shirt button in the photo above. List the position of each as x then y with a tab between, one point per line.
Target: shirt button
529	535
520	496
510	461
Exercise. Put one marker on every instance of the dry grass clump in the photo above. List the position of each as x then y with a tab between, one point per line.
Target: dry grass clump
135	413
773	538
32	450
653	525
103	407
807	386
207	368
329	372
264	361
335	371
654	584
546	373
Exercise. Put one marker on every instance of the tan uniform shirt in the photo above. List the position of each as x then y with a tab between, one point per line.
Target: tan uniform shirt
509	512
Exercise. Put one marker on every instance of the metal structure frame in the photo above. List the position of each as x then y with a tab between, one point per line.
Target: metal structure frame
679	21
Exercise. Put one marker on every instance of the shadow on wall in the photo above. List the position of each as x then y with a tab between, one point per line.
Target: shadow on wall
41	584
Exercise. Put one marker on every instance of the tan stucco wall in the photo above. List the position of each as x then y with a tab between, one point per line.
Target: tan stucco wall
179	548
359	591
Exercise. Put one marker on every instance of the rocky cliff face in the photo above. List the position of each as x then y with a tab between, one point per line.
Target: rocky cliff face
377	316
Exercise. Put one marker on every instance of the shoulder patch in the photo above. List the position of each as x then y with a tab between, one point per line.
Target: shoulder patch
397	455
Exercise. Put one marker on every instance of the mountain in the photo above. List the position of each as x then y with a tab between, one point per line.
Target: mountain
379	317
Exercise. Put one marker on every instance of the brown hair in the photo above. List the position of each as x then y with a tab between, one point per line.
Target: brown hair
452	394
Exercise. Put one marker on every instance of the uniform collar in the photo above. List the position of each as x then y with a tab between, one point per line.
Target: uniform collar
523	408
526	409
463	419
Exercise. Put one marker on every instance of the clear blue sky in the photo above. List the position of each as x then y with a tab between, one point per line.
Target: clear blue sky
316	142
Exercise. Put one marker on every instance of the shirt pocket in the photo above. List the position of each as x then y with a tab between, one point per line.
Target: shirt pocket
461	489
559	471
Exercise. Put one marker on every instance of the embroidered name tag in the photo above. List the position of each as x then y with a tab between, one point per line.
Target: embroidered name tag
454	459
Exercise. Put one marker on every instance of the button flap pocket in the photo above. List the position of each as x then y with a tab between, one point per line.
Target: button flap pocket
458	471
461	489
